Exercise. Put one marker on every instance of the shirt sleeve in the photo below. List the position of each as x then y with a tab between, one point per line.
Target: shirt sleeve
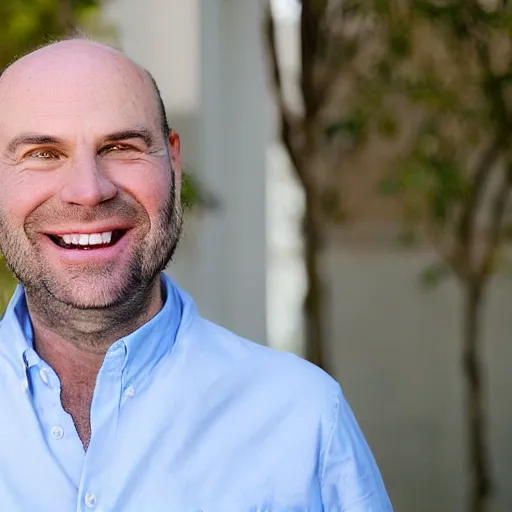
350	479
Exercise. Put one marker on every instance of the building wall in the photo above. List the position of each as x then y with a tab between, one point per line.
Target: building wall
397	354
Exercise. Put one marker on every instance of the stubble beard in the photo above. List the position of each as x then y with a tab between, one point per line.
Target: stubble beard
114	315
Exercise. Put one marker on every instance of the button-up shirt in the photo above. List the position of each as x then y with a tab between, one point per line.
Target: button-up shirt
185	417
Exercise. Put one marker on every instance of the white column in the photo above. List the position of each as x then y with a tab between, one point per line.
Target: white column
162	35
233	140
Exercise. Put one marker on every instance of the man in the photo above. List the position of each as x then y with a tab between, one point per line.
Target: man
116	395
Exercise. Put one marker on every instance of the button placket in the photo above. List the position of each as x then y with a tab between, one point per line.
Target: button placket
24	382
58	427
104	417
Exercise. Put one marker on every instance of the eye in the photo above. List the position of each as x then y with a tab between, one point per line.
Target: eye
43	154
113	148
120	151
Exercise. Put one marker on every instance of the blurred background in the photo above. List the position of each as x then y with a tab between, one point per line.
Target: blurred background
348	178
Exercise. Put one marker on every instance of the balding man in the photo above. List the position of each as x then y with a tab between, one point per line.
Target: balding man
116	395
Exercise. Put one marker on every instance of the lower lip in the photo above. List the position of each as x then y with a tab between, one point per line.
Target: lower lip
80	256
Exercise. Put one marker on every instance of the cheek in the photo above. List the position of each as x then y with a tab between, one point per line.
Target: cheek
150	187
20	195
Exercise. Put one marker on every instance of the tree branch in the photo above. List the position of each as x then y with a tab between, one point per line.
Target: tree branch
471	204
288	121
499	112
498	209
312	15
447	255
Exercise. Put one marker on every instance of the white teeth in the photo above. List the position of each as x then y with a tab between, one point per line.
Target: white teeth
95	239
84	240
87	239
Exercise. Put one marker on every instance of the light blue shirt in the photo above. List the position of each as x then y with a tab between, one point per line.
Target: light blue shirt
185	417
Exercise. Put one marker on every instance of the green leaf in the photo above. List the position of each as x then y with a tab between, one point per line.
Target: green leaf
391	185
190	194
194	195
437	12
400	42
352	127
430	92
26	24
387	126
7	285
433	275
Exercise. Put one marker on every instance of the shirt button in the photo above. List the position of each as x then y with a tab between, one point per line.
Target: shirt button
90	500
44	376
57	432
129	391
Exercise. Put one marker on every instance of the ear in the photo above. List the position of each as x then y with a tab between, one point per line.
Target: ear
175	152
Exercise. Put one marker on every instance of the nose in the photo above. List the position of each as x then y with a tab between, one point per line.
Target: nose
85	184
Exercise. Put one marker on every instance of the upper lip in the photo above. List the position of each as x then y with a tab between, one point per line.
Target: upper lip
87	230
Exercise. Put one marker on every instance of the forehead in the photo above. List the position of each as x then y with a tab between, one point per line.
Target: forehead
75	89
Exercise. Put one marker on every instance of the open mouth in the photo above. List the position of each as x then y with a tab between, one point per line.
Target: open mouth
90	241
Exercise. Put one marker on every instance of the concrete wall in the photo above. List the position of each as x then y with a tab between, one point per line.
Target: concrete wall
397	352
233	137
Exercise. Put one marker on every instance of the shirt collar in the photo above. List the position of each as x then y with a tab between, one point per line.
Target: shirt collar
134	355
146	346
16	332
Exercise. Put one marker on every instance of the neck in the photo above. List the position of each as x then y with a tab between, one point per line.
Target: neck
74	343
63	333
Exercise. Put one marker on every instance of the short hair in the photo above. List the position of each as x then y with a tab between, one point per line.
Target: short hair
161	106
79	36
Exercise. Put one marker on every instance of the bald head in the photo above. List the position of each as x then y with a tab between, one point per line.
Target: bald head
55	56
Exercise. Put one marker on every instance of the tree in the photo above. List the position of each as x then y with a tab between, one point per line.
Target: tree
25	25
432	77
455	179
316	157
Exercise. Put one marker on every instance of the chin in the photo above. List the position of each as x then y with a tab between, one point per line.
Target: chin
87	295
89	301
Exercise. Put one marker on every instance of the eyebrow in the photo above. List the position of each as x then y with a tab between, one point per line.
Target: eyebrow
37	139
139	133
30	139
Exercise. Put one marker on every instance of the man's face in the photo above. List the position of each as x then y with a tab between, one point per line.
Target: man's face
89	206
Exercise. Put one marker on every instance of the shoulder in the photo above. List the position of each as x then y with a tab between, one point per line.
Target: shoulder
280	376
268	380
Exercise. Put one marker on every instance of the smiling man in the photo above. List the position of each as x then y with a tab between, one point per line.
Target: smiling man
116	395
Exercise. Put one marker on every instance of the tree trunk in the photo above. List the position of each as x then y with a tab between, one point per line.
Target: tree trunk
314	302
477	433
